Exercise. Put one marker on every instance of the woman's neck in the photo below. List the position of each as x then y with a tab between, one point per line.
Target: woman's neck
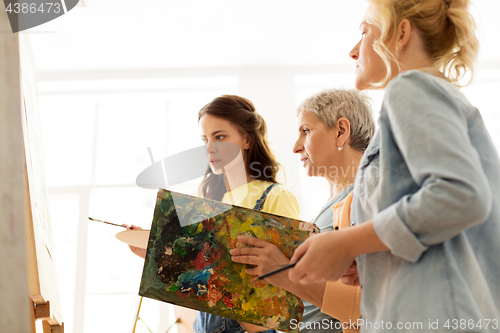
233	180
336	188
346	175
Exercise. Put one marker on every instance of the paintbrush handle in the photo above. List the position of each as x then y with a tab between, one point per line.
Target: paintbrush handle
276	271
118	225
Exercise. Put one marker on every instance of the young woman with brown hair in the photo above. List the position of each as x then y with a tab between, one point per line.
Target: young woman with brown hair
243	172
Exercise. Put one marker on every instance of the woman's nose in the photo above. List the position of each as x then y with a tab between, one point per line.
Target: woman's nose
210	148
297	147
354	54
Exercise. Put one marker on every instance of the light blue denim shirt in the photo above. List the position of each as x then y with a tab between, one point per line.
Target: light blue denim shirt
430	181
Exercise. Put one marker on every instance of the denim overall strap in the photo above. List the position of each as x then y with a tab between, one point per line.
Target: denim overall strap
259	203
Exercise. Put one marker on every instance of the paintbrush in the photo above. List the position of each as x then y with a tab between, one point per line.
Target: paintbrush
118	225
276	271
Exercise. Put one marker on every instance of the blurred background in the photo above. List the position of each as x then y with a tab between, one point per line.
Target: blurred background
118	76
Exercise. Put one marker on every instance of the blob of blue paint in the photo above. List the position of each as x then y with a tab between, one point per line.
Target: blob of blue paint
195	281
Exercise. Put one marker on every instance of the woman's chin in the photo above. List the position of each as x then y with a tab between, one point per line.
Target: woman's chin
216	170
360	85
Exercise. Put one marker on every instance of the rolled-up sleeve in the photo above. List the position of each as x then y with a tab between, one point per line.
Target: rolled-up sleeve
430	130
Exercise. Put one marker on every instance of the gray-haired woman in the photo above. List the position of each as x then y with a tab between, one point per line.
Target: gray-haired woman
334	127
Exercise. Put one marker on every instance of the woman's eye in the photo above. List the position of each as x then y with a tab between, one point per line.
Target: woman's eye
306	131
205	141
219	137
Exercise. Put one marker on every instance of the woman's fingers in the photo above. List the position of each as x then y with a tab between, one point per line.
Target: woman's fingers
239	251
246	255
249	240
313	263
347	280
353	269
249	260
129	227
351	277
299	252
350	280
252	271
260	271
138	251
298	272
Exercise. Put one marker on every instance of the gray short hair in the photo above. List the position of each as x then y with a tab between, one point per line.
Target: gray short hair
332	104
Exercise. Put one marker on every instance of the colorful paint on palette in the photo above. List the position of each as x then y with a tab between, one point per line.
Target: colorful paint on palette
191	265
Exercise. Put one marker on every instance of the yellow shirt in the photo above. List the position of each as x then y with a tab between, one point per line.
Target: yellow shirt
279	200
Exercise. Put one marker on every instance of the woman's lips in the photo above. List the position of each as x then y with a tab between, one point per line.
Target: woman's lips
214	162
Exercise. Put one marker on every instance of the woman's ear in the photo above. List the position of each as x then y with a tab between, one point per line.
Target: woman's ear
404	32
248	142
344	131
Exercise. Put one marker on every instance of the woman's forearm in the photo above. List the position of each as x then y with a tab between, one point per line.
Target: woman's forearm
312	293
327	256
362	239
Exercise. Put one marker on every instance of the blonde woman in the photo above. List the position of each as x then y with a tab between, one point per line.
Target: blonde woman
426	202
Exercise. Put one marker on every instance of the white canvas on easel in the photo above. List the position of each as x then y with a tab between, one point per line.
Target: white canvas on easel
43	286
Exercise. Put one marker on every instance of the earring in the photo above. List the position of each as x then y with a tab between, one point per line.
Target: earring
340	148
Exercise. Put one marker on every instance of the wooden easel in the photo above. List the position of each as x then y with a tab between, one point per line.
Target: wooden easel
28	282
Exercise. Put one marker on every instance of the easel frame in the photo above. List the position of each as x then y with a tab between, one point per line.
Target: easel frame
15	310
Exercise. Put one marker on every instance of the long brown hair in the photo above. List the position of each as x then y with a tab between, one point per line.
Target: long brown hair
260	161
